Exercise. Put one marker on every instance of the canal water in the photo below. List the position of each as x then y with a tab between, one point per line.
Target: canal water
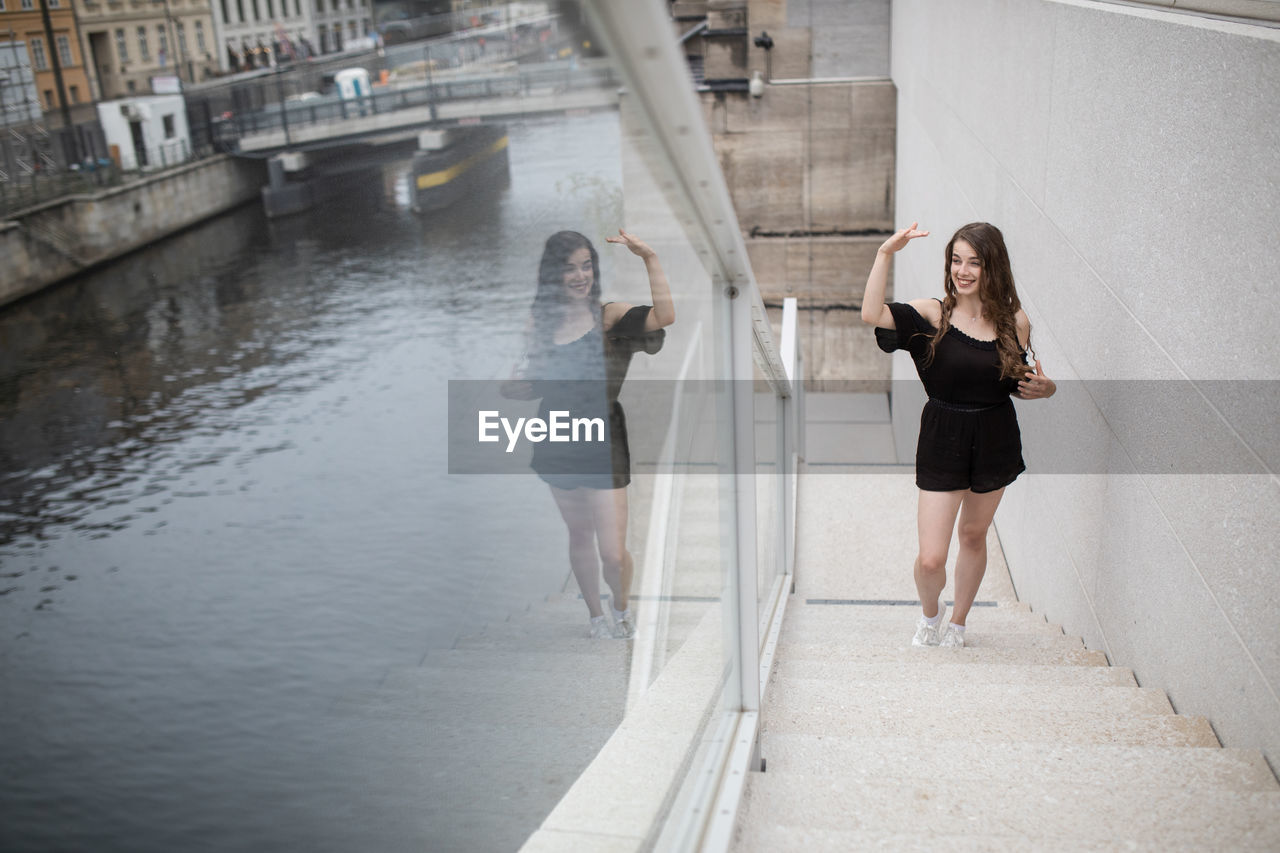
224	506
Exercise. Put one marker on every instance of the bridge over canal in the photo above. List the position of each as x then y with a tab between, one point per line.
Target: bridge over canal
311	140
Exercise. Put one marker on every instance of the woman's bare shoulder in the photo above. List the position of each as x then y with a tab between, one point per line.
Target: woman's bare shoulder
930	309
1023	323
612	312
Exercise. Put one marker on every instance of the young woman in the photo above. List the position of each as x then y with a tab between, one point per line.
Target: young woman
578	352
970	350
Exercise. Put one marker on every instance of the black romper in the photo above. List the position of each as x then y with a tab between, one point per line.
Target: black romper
584	377
969	436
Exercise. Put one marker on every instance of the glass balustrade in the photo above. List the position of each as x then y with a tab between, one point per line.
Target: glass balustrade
313	599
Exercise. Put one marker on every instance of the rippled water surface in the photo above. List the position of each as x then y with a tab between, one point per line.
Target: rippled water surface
224	506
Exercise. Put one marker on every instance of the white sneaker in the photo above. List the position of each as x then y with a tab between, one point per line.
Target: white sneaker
952	639
600	627
625	626
930	635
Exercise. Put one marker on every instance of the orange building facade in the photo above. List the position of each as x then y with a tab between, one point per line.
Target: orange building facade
21	21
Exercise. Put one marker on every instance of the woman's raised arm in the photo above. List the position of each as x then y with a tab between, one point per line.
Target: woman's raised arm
874	311
664	308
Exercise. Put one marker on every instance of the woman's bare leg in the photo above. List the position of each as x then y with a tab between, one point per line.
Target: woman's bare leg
976	513
610	510
935	518
579	517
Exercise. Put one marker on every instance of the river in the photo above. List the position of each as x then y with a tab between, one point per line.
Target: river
225	506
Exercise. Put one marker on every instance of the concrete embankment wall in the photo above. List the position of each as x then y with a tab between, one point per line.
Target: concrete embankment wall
48	243
1129	156
809	163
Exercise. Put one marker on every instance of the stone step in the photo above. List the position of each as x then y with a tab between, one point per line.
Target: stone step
498	682
805	627
840	671
991	618
446	709
1047	726
787	805
571	640
905	653
889	636
814	695
870	759
776	838
604	656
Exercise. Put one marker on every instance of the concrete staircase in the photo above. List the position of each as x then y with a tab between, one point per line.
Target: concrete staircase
482	740
1023	740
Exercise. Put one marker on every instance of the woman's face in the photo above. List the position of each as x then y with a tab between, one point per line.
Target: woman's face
966	268
578	274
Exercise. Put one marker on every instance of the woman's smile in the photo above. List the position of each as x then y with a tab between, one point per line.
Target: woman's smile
579	275
966	268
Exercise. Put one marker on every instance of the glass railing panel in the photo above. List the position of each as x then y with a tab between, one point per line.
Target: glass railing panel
766	476
248	579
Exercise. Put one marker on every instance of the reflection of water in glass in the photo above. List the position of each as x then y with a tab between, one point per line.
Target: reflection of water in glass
225	512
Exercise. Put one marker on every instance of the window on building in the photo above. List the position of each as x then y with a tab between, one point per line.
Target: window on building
162	39
27	5
297	8
38	59
257	12
64	51
200	43
351	4
168	127
2	8
122	47
336	5
48	99
53	4
320	6
271	9
75	94
132	86
182	39
144	50
240	9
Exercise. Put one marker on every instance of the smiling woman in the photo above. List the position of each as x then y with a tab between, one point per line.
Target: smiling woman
579	350
970	350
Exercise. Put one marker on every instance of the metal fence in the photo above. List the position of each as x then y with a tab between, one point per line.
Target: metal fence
39	165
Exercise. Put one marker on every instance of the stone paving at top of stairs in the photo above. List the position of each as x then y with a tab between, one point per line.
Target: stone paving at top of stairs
1023	740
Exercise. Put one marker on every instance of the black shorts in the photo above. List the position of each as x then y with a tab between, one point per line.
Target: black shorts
979	450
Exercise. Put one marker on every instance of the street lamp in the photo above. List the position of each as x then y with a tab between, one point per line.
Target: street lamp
175	46
4	122
431	86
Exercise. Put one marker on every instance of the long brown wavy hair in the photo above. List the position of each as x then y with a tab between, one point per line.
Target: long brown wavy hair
997	292
551	299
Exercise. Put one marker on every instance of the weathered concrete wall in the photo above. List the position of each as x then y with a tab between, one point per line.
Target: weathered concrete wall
810	165
815	157
53	241
1129	155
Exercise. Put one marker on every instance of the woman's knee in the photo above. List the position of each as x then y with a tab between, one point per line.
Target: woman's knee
932	563
611	558
972	537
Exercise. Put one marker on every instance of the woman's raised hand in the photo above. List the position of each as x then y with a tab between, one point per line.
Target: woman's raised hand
902	238
632	242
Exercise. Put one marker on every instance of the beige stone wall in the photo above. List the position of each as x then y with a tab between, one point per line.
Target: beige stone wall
1141	222
816	157
810	168
56	240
